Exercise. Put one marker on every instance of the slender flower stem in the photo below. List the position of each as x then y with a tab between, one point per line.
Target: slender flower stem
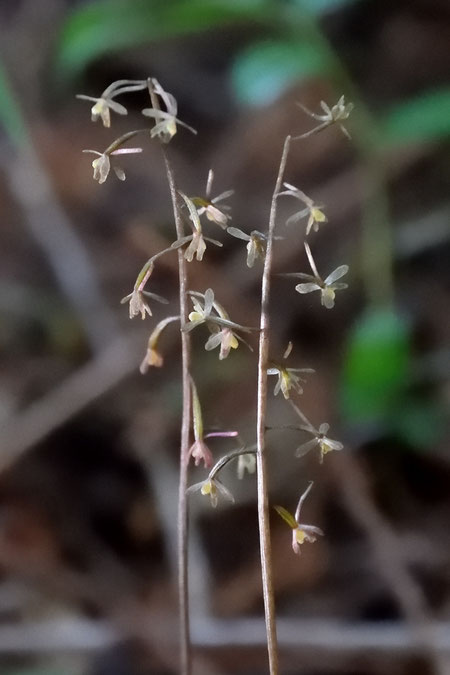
183	591
263	362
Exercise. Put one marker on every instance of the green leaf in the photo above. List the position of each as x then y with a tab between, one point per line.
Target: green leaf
423	118
108	26
376	368
323	6
420	422
10	114
263	71
287	517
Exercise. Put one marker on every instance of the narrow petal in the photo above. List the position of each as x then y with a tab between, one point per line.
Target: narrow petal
213	341
336	274
324	428
307	288
303	449
209	301
236	232
224	491
117	107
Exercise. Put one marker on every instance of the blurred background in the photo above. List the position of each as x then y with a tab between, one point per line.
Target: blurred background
89	446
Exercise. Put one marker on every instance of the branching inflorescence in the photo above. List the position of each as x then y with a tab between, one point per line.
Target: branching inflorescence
224	333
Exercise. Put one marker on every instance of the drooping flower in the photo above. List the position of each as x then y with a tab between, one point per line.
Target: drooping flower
137	298
206	205
199	450
200	313
197	246
246	462
102	164
153	356
166	120
334	115
256	246
327	286
212	487
104	103
320	440
300	531
287	379
312	210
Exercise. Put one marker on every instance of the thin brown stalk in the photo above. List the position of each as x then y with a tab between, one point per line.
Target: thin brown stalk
183	591
263	361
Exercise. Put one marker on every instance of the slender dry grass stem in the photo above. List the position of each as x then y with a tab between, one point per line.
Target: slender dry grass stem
183	591
263	361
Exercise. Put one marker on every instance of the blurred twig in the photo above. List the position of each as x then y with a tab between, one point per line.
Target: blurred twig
390	560
53	232
51	411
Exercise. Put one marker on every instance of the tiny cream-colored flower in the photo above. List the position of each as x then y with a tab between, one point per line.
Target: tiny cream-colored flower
212	487
300	531
165	120
320	440
152	357
312	210
200	313
197	245
224	337
137	298
102	164
104	103
246	462
206	205
287	379
327	286
256	246
224	333
334	115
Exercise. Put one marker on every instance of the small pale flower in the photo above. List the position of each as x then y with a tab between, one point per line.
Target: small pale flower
199	450
256	246
201	313
137	299
105	103
138	303
197	246
334	115
152	357
245	463
166	120
327	286
224	337
102	164
312	210
300	531
212	487
206	205
320	440
223	331
287	379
